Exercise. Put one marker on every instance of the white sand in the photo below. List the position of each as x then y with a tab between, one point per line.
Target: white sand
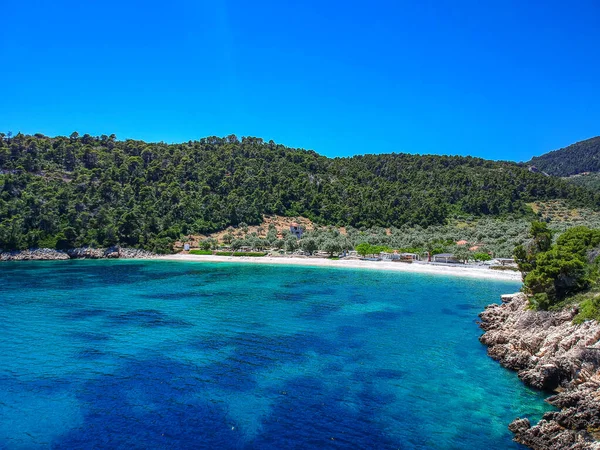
462	271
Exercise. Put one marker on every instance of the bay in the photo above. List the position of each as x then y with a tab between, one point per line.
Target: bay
156	354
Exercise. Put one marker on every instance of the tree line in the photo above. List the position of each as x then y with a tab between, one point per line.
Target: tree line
555	272
64	192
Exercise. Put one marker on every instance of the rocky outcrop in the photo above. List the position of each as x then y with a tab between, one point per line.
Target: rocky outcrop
550	353
39	254
132	253
111	252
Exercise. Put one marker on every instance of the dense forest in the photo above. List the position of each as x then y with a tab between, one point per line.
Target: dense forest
84	190
583	156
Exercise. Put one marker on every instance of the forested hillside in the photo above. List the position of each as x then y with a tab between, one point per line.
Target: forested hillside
589	180
84	190
583	156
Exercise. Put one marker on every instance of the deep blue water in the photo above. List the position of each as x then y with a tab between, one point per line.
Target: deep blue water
149	354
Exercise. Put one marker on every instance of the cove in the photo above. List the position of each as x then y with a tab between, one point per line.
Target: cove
158	354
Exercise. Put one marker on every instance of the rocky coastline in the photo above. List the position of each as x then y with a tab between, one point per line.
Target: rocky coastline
47	254
550	353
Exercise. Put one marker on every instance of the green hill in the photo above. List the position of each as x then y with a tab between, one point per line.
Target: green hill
589	180
70	191
583	156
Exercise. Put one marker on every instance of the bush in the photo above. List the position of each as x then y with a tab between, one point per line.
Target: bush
539	301
200	252
555	273
589	310
481	256
252	254
365	249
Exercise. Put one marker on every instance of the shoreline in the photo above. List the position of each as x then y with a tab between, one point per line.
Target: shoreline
552	354
115	253
468	272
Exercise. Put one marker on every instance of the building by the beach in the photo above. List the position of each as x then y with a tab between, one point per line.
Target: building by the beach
445	258
296	230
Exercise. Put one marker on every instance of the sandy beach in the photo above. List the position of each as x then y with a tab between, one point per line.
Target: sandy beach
460	271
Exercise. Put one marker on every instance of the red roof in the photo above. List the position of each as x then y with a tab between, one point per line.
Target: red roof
462	242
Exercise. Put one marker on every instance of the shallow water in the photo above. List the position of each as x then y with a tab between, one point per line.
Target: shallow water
155	354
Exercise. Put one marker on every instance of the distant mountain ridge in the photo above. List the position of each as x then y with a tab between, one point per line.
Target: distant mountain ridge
581	157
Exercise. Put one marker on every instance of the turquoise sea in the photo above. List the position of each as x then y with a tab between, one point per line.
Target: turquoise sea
156	354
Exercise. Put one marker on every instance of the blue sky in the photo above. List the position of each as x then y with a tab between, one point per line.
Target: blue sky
500	80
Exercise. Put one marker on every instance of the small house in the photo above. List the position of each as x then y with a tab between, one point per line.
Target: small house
410	256
389	256
296	230
506	261
186	247
445	258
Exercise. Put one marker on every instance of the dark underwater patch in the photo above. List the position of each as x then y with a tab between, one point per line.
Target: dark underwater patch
215	342
147	404
359	299
230	374
449	312
289	296
149	318
176	295
82	314
91	353
318	310
389	374
347	331
454	312
215	277
321	292
90	336
312	414
467	307
382	316
254	351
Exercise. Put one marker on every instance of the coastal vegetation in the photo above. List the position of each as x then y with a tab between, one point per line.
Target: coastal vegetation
200	252
481	238
67	192
250	254
563	273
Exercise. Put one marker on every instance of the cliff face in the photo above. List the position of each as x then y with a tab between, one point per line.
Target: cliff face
549	353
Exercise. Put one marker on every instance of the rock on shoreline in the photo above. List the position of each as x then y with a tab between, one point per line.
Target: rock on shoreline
47	254
552	354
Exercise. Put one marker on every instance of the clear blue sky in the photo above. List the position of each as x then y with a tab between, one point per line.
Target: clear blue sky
501	80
